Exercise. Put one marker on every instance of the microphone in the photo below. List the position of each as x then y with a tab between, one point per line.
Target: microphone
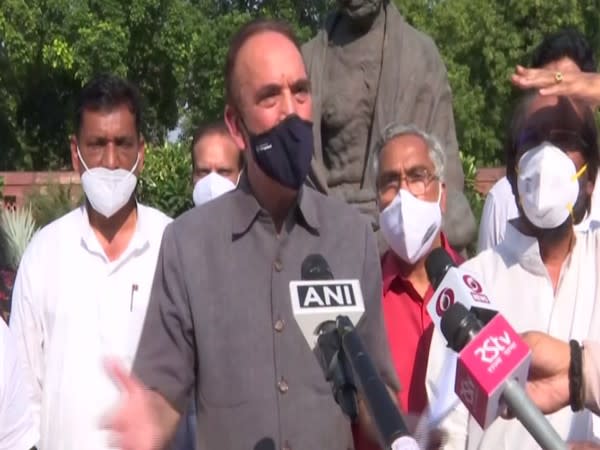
318	298
493	363
454	284
333	362
392	429
325	310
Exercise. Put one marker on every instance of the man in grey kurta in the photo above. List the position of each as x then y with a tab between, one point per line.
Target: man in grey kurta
369	68
220	315
222	320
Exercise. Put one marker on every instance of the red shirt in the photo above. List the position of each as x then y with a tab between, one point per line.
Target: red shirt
409	330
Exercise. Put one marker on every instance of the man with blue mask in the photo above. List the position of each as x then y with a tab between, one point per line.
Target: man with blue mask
83	284
544	275
216	162
220	318
408	169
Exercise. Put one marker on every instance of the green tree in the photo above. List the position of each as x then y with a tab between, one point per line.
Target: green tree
481	42
204	88
49	48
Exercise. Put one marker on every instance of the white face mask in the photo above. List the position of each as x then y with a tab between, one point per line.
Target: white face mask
107	190
210	187
410	225
547	185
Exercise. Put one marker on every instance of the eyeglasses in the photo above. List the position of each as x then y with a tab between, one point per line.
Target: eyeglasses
416	181
95	153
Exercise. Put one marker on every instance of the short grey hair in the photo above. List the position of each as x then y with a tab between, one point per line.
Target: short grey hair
393	130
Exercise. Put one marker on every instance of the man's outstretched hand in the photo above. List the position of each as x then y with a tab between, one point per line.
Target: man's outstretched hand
548	384
133	423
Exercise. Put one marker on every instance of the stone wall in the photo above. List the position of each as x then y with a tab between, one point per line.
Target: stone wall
17	185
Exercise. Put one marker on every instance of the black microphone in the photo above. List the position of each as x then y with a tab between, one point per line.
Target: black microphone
452	283
436	265
392	429
265	444
492	362
332	360
314	267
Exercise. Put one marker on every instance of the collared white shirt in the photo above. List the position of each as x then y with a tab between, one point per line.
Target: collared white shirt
500	207
72	308
17	428
514	274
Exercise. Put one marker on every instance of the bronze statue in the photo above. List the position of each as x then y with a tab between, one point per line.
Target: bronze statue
368	67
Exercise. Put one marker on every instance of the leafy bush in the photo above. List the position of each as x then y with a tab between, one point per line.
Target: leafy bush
475	199
18	227
52	201
7	281
165	182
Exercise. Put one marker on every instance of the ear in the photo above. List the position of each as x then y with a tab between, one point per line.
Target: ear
142	155
75	161
443	197
234	125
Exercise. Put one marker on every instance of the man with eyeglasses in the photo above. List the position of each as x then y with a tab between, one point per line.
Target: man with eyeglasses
83	284
408	171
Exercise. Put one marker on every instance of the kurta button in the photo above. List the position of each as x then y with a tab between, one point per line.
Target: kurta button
278	265
283	386
279	325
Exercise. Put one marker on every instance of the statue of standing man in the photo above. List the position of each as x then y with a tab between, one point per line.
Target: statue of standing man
368	67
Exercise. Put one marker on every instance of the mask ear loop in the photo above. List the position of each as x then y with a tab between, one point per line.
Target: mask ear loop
579	173
575	178
439	192
81	158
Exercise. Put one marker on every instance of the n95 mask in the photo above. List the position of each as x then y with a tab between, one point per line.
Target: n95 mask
548	185
108	190
210	187
409	225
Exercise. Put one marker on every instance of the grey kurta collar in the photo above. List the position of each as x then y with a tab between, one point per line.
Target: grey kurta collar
247	209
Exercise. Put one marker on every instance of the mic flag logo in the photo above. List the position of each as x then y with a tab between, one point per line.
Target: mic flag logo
467	392
444	301
460	286
317	301
339	294
476	289
493	348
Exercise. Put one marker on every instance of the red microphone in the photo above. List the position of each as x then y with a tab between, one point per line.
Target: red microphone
493	363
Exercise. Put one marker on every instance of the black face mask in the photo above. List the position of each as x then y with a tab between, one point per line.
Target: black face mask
284	152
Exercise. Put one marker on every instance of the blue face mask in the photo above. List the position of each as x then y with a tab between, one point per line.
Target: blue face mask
284	152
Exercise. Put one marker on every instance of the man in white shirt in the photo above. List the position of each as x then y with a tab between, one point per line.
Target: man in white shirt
543	276
83	284
566	51
17	429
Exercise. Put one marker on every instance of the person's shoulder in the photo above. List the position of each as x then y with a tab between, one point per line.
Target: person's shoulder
589	239
479	262
501	189
414	35
51	232
309	47
154	216
208	216
50	238
332	209
420	42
